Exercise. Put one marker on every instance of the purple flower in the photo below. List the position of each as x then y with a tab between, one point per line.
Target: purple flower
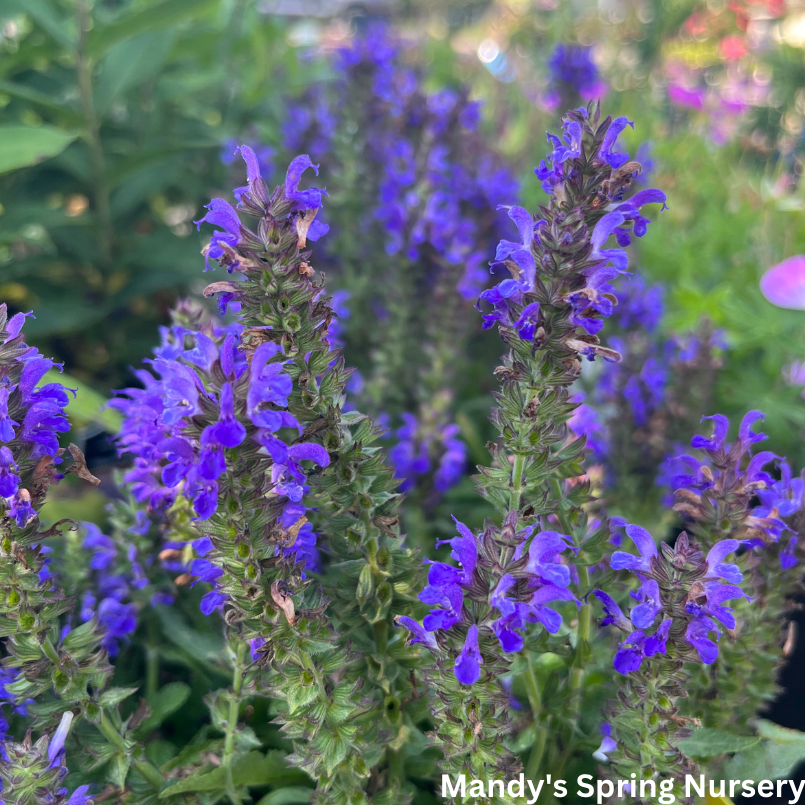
222	243
719	570
613	613
608	744
304	199
227	432
269	386
468	663
211	601
542	551
7	424
420	634
644	615
56	743
9	481
443	590
697	634
645	544
520	253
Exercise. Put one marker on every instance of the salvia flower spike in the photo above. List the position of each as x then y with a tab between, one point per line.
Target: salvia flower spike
548	313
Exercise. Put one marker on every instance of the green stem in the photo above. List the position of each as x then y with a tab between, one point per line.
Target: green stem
152	663
540	738
518	466
582	641
149	771
93	136
232	722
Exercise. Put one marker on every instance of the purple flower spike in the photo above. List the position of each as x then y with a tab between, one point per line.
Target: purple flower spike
784	284
468	663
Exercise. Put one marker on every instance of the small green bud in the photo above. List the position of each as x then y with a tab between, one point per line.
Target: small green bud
307	678
366	583
243	550
60	681
292	322
92	712
13	598
26	620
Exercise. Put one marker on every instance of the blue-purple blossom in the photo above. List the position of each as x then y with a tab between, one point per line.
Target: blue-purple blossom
712	584
468	663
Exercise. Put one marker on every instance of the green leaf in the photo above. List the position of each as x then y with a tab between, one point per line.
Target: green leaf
115	696
781	735
166	701
254	768
21	146
49	18
203	781
150	17
287	796
251	769
88	407
707	742
41	99
208	648
129	63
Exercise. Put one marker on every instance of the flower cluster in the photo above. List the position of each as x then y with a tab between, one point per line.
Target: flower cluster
206	399
31	419
510	594
587	266
423	446
681	597
717	493
572	75
33	773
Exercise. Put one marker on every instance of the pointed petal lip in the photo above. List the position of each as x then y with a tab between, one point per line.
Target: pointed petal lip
604	228
643	540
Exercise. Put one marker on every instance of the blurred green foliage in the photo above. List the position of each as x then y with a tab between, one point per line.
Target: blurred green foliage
112	122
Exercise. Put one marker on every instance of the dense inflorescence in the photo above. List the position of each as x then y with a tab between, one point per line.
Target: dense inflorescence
572	76
681	606
732	492
33	773
418	161
548	314
235	433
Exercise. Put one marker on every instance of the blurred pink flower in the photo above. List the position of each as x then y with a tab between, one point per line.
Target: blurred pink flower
784	284
688	98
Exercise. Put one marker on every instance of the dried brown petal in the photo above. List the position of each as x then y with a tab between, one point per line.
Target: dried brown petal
283	600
